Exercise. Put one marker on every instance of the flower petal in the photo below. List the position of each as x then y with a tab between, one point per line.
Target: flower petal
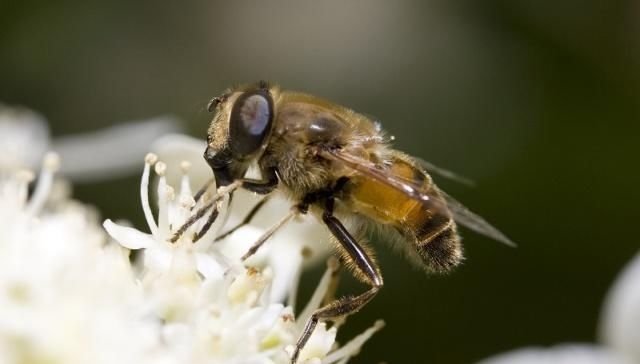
111	152
128	237
24	138
563	354
319	343
209	267
173	149
352	348
620	322
286	261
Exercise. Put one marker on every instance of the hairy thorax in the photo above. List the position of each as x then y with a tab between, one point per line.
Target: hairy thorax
301	131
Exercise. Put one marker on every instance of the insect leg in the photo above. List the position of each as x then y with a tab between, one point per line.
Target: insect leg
267	234
262	186
207	225
192	220
366	270
222	191
247	219
202	190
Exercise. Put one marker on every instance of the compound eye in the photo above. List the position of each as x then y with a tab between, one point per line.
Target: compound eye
250	122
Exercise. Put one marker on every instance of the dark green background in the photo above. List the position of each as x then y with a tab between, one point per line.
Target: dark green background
537	101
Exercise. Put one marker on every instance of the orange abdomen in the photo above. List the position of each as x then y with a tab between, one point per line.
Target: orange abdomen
427	225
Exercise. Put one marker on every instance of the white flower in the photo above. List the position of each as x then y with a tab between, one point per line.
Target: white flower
210	304
66	297
62	294
24	138
102	154
619	331
620	322
561	354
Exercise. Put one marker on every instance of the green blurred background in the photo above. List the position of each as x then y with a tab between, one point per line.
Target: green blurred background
537	101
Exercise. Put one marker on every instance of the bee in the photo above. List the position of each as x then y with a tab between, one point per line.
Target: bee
338	165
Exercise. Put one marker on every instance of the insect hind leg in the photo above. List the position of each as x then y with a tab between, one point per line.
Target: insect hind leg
365	268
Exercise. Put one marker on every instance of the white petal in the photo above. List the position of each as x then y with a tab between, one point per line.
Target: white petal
286	261
24	138
158	260
173	149
563	354
128	237
620	323
209	267
319	294
238	243
319	343
111	152
51	164
352	348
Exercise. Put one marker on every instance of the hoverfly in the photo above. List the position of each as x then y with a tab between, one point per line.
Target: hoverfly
335	164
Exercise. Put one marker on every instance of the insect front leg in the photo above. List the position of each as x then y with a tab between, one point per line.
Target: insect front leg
365	269
260	186
263	186
247	219
211	205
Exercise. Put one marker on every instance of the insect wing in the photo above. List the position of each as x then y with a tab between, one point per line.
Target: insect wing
475	222
370	169
443	172
459	212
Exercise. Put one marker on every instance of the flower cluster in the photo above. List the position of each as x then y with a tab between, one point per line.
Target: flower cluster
207	299
70	295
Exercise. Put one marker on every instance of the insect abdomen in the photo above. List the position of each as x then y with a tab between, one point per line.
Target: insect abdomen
439	246
427	225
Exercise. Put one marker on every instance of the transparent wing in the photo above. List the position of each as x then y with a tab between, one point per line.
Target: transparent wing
461	214
370	169
443	172
475	222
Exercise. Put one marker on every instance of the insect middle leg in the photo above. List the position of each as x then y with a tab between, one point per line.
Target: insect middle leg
366	270
247	219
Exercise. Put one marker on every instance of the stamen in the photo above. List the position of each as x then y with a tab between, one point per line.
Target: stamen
165	194
185	186
149	160
352	348
23	178
161	169
50	165
320	292
294	282
186	202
